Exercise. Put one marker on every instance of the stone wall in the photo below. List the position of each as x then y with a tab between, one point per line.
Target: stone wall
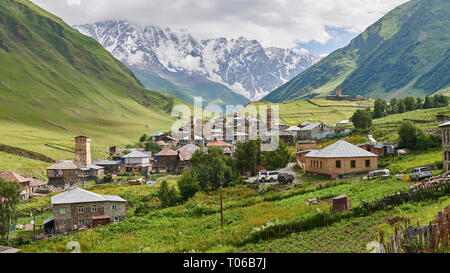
66	222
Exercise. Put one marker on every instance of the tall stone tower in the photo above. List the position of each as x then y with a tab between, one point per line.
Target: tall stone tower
445	129
269	120
83	150
338	92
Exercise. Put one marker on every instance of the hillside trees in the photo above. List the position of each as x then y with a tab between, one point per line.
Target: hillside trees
9	198
411	137
247	156
277	159
362	119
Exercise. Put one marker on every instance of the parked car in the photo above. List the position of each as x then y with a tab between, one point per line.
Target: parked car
285	178
421	173
386	174
261	177
272	176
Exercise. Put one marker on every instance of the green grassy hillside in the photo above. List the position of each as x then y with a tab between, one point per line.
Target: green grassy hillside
317	110
56	83
404	53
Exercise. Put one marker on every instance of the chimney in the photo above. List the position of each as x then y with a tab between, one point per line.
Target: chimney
338	92
83	150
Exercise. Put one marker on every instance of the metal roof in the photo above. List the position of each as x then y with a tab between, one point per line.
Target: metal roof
136	154
293	128
341	149
77	195
310	126
63	165
445	124
109	162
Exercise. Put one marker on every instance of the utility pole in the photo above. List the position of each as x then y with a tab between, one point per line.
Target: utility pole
34	226
221	208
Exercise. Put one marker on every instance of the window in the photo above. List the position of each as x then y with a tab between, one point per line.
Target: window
81	223
338	164
367	163
94	208
353	164
321	164
116	219
80	209
62	211
114	207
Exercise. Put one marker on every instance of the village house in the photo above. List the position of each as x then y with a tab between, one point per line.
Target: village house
91	173
315	131
228	149
77	208
185	154
442	118
446	145
109	166
294	130
303	124
340	159
25	187
168	158
137	162
305	145
380	149
63	174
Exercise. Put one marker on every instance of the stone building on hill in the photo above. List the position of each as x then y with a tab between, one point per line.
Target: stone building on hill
77	208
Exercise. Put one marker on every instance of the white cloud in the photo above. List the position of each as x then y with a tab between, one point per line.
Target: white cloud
73	2
272	22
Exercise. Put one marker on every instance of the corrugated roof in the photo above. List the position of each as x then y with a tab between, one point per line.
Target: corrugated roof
445	124
310	126
109	162
63	165
341	149
77	195
135	154
293	128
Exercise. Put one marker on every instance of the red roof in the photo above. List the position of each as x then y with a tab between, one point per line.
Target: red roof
161	143
260	168
218	143
167	152
13	177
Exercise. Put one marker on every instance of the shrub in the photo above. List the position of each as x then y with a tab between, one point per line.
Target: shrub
167	196
188	185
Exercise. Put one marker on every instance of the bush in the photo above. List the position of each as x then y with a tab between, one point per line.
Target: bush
188	185
167	196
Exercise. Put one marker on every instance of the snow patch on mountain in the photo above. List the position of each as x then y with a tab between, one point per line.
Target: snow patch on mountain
242	65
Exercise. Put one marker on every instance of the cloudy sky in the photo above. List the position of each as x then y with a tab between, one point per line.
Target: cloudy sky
314	26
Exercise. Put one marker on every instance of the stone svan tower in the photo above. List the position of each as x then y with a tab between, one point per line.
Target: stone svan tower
83	151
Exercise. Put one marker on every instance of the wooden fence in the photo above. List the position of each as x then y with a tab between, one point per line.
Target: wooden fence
429	238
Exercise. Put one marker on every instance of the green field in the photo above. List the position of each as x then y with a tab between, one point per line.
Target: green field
320	110
195	225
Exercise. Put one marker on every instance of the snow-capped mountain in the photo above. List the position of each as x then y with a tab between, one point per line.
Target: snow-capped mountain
242	65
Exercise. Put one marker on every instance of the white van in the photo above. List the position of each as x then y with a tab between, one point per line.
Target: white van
266	176
378	174
272	176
